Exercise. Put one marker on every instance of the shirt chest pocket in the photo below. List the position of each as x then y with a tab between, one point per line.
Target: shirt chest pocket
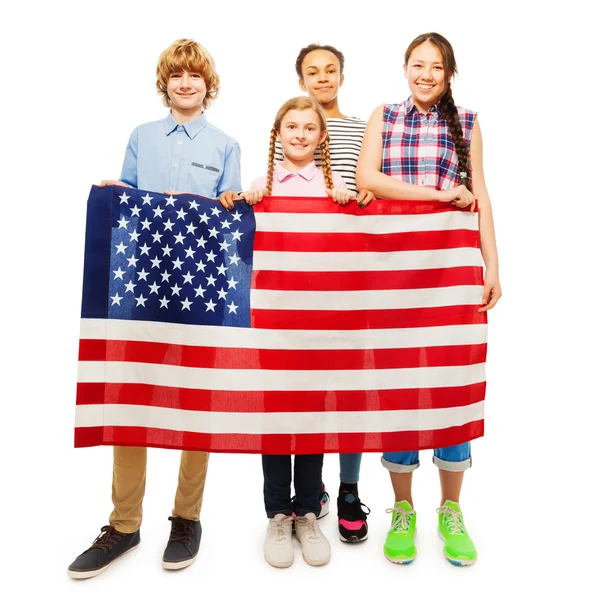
203	178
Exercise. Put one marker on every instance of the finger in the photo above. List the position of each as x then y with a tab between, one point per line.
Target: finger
329	192
362	195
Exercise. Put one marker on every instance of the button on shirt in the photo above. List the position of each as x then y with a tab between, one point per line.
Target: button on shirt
196	157
310	181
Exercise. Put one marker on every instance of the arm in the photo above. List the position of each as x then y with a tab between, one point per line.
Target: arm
492	290
370	177
231	178
129	170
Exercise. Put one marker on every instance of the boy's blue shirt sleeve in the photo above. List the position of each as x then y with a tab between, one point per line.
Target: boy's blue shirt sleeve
129	170
231	179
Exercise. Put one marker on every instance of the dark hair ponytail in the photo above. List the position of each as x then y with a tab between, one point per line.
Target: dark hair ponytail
449	112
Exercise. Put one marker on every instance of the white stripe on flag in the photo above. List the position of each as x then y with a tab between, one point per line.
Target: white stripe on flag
127	415
242	337
377	224
366	299
273	380
367	261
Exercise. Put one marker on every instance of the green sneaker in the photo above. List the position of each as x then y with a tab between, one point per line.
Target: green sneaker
458	546
399	544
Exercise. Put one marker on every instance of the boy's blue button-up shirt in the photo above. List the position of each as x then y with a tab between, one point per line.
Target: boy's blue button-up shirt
196	157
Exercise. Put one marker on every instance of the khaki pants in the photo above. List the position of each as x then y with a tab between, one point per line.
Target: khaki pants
129	485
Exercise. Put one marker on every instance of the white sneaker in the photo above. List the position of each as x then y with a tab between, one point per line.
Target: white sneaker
324	503
315	547
279	551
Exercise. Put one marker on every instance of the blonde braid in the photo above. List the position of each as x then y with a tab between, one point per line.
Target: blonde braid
271	167
326	162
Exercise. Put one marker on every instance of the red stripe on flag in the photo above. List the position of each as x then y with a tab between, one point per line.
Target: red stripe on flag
367	319
297	360
293	205
366	280
365	242
277	444
279	401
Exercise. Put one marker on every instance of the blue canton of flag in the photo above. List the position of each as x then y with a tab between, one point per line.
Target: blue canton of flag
178	259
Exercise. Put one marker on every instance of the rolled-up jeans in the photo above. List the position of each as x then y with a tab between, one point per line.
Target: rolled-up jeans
452	458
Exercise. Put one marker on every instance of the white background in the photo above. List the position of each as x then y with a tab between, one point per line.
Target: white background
78	77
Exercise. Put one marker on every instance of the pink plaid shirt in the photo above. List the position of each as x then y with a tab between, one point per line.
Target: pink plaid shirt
310	181
418	148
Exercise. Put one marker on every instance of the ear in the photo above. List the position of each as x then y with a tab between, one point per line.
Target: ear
341	80
302	85
322	136
405	74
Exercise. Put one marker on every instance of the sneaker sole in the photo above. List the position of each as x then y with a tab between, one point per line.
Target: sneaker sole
324	511
315	563
454	561
400	561
90	574
353	539
280	565
175	566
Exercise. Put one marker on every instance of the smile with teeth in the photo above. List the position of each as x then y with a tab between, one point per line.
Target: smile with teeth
425	86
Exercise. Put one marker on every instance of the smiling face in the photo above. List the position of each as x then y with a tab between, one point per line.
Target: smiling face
321	76
300	133
426	76
186	93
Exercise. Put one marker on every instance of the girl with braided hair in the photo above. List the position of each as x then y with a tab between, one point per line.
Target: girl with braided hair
301	127
427	148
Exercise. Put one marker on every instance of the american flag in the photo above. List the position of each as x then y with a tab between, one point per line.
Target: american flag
298	327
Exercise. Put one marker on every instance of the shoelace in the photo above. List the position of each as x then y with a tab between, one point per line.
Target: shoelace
279	527
453	520
181	531
107	539
355	510
401	518
310	528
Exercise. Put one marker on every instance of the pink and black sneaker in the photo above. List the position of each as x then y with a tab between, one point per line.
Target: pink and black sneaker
352	518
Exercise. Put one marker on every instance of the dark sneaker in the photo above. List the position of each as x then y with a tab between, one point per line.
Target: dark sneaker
183	544
110	544
352	518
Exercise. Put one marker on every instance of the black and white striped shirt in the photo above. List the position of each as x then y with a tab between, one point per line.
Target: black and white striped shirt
345	140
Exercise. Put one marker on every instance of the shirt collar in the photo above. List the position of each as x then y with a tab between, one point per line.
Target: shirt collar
411	106
307	173
192	128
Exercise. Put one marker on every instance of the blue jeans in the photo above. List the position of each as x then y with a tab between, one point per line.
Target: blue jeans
277	471
451	458
350	467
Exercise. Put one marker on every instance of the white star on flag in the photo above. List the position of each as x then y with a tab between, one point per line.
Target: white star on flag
186	304
145	249
170	201
142	274
177	263
210	305
123	223
132	261
232	308
116	299
175	290
124	198
164	303
147	199
141	301
158	211
129	286
121	248
119	273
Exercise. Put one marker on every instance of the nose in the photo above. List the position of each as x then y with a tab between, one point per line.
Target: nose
185	80
323	78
